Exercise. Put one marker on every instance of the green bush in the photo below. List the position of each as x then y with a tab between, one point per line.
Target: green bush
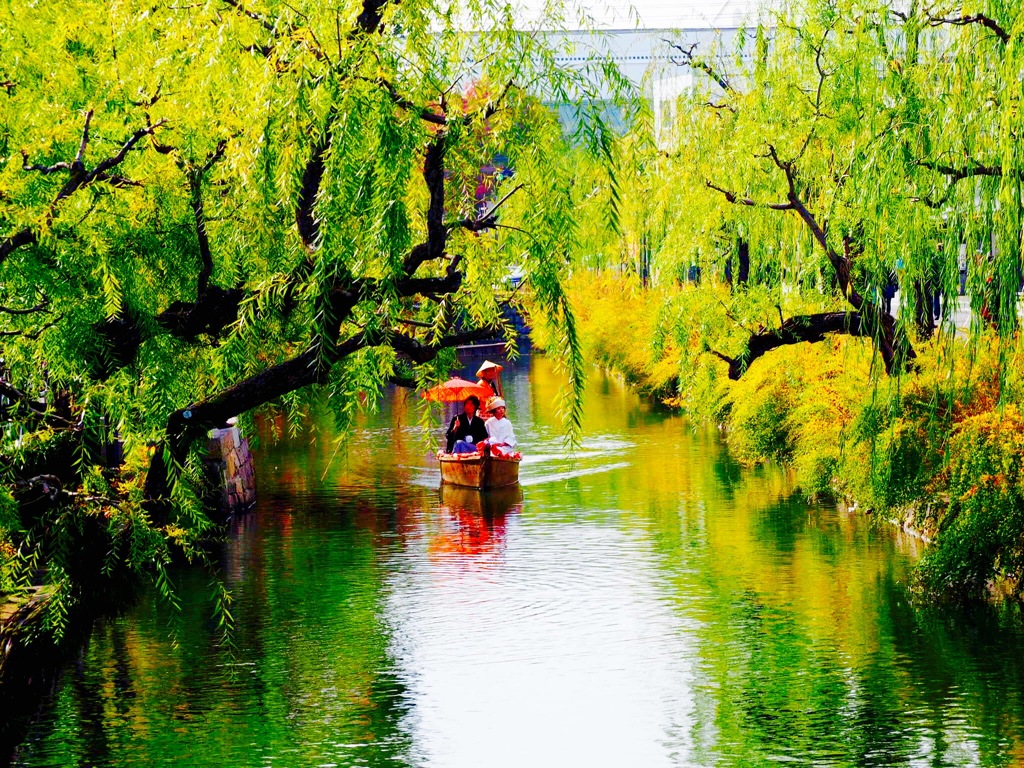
888	464
759	426
981	536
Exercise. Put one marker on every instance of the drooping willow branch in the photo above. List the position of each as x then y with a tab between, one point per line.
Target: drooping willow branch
337	306
79	176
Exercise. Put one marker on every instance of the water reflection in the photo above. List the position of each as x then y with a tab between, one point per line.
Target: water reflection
473	523
646	603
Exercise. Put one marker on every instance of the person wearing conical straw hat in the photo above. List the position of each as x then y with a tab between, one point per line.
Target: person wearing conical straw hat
488	374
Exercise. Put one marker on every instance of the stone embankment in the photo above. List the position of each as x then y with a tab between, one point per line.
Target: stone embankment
229	463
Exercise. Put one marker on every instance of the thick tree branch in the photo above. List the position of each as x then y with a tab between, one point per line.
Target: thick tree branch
44	169
955	174
309	189
108	163
196	175
423	352
213	310
732	197
437	231
28	334
491	107
50	486
424	113
809	328
730	360
11	243
36	406
40	307
440	118
872	319
369	19
978	18
488	220
968	171
199	215
411	286
80	157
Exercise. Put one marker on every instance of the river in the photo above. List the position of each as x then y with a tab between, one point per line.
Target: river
646	603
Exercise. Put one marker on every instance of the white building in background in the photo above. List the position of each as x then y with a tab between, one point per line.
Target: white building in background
649	60
638	36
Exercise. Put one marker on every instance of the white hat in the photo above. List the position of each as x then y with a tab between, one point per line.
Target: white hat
495	402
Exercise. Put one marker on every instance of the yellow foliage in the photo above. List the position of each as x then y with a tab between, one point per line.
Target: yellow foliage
827	409
619	326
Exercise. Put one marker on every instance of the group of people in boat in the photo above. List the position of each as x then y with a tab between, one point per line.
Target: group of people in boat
469	433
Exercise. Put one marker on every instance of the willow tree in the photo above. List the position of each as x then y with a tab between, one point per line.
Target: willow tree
867	141
956	137
211	207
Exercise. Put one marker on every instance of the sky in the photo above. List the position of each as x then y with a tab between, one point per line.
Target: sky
654	14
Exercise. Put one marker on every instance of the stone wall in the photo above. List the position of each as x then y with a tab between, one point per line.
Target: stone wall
229	464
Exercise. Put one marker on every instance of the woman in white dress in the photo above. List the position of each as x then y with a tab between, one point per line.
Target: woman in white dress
500	434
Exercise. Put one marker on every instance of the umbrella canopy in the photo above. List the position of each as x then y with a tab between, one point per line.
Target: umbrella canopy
455	390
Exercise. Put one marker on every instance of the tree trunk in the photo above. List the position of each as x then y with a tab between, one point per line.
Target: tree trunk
923	306
743	251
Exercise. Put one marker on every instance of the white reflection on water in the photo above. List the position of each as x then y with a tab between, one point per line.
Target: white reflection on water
563	653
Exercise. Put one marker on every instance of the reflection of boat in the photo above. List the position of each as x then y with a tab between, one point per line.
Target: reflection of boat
471	470
474	521
494	504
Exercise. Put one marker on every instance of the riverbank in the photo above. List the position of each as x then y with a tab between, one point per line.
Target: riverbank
42	624
940	451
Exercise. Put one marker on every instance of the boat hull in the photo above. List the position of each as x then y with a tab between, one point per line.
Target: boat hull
480	472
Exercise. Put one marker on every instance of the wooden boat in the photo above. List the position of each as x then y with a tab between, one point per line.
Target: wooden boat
471	470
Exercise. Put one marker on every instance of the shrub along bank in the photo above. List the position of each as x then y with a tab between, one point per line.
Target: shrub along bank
940	449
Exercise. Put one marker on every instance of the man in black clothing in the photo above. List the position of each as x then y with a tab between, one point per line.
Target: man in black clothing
467	429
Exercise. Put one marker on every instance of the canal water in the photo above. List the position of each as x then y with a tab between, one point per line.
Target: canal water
647	603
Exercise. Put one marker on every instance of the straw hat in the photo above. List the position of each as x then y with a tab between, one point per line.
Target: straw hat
487	366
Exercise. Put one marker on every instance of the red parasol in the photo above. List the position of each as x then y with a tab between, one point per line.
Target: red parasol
455	390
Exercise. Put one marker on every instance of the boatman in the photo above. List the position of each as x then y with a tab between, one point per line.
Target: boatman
500	435
490	376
